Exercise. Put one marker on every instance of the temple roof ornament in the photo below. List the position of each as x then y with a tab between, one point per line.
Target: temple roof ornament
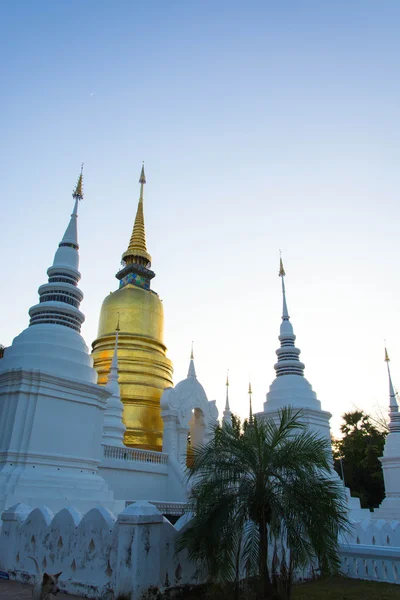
227	415
60	298
137	249
251	418
191	370
78	191
394	415
288	355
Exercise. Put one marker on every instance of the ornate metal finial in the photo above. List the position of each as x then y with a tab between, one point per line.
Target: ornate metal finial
118	327
142	175
281	269
227	378
191	352
78	191
387	359
142	181
250	392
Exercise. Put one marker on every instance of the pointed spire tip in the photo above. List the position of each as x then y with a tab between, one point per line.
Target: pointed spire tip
281	268
137	249
142	175
78	191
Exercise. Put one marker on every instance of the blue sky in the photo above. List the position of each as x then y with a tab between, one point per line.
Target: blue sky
263	125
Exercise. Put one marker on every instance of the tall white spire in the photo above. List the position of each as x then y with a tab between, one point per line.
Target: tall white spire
227	415
60	298
288	355
285	314
394	415
192	370
114	428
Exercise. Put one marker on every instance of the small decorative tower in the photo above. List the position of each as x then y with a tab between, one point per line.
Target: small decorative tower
189	417
390	507
113	428
144	369
51	408
251	418
227	415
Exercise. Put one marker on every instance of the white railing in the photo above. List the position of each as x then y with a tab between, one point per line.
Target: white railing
135	454
374	563
170	508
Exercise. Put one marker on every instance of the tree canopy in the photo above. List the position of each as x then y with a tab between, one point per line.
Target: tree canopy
358	452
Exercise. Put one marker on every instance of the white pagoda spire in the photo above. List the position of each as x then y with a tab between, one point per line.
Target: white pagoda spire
60	298
288	355
192	370
394	415
227	415
390	507
71	233
114	428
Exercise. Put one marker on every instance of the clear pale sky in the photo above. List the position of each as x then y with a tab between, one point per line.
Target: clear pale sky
263	126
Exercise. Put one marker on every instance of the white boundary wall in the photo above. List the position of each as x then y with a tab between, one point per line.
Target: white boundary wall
100	555
372	551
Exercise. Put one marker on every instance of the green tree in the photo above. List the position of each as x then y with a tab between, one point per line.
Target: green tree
264	503
358	454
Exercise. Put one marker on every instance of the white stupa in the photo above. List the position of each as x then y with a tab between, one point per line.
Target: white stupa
51	409
290	387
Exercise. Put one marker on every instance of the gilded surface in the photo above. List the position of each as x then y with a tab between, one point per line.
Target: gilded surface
78	191
137	245
144	370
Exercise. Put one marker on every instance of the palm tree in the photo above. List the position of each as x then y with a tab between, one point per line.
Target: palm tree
264	503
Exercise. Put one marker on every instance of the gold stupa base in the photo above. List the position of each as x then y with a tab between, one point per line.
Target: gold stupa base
143	373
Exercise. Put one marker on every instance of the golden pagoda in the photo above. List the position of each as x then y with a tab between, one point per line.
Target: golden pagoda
143	368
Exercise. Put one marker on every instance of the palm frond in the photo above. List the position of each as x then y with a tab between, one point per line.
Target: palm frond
275	475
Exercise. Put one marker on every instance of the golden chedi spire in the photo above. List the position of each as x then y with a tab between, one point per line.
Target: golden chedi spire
78	191
137	250
143	367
